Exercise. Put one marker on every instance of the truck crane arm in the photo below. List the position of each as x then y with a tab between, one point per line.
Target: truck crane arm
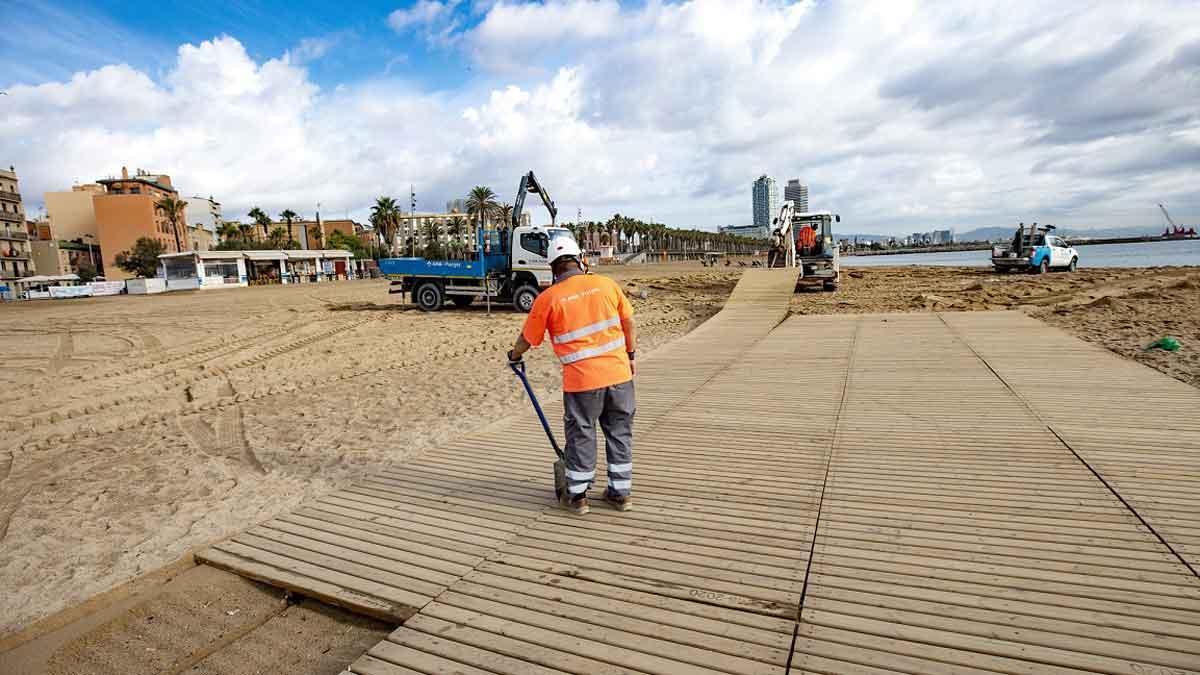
529	183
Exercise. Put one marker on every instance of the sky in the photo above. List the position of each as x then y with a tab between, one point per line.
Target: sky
900	115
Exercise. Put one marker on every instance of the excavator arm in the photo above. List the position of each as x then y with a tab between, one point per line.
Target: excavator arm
529	183
782	236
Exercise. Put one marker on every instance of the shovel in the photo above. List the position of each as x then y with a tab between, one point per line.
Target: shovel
560	472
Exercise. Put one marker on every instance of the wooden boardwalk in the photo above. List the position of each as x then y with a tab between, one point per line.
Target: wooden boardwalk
868	494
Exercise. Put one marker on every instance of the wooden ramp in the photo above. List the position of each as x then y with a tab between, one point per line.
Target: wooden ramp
870	494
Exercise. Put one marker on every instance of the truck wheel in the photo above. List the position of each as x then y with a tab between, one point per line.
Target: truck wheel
1001	270
524	297
429	297
462	300
829	285
1042	267
1073	265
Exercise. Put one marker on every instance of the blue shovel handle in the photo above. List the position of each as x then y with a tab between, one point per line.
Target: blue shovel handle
519	369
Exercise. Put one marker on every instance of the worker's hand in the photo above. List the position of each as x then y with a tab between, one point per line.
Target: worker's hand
632	368
513	359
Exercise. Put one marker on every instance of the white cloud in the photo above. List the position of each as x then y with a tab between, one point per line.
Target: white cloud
433	20
900	115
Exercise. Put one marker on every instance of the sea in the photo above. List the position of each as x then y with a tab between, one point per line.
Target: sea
1140	254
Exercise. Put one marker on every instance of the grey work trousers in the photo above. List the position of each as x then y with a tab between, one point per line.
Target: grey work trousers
614	407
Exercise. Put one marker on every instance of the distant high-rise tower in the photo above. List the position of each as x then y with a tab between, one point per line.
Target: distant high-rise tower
766	201
797	192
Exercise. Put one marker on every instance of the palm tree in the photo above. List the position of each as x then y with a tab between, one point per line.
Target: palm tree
276	238
458	227
172	208
228	230
261	219
385	217
246	229
317	234
481	205
433	235
288	216
505	211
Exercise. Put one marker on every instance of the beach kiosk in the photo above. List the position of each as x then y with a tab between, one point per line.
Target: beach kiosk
319	265
202	269
267	267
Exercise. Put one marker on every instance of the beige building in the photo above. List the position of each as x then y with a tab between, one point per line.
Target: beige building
15	260
57	257
72	214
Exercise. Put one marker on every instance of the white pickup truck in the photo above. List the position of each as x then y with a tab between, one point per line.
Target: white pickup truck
1037	250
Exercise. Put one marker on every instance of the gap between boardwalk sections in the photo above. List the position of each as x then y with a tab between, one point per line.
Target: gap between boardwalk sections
957	532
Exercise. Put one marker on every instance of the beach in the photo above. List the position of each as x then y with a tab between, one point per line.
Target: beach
140	429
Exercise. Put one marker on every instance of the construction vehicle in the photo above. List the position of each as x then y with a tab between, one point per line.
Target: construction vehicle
1035	249
819	263
1174	231
510	265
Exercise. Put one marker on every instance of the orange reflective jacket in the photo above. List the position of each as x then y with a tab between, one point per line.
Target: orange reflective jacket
807	238
583	315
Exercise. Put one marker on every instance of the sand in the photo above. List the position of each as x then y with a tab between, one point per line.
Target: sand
1123	310
138	429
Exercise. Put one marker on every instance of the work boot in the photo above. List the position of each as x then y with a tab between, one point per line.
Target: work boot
618	502
577	506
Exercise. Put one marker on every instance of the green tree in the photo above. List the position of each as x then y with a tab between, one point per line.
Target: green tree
172	208
86	270
261	219
505	213
433	237
457	228
348	243
142	259
316	234
278	238
385	218
229	230
482	205
246	229
288	216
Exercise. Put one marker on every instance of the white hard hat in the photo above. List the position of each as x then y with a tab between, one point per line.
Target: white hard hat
565	247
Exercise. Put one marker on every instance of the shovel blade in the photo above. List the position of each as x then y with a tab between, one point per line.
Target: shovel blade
560	481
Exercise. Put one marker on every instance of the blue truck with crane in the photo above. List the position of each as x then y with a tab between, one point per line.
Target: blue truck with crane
509	265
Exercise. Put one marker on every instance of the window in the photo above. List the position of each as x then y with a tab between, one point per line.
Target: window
135	191
535	242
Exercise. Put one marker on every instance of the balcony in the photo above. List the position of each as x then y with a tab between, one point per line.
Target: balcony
13	235
10	196
10	217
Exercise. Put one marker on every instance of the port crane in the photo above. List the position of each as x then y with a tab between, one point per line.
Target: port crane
1174	230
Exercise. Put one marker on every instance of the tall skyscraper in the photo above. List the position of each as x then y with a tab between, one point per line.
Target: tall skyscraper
766	201
797	192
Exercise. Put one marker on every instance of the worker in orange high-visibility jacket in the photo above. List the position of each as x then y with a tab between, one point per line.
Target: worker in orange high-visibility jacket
806	240
590	322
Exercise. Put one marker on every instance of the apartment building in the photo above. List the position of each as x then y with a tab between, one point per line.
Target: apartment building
127	211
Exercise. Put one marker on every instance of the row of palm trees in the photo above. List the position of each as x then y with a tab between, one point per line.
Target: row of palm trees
626	234
629	235
482	209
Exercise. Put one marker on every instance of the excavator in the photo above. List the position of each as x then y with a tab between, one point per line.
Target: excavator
819	263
